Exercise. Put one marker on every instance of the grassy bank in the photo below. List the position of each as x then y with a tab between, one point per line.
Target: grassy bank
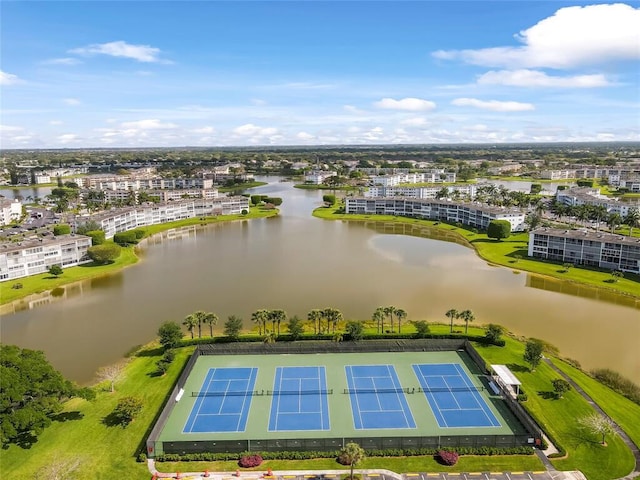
510	253
82	431
44	282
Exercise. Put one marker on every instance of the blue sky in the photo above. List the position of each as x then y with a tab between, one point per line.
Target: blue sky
235	73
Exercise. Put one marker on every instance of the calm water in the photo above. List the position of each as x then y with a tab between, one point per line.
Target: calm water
297	262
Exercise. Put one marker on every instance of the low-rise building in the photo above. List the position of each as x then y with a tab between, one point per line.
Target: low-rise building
582	247
318	177
9	210
33	256
591	196
462	190
473	215
143	215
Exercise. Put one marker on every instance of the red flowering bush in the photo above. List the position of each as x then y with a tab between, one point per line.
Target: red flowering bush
249	461
447	458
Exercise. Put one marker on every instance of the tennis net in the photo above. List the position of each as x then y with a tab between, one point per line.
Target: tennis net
411	390
235	393
300	392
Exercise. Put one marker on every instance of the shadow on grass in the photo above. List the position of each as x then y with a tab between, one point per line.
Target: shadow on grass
67	416
151	352
515	367
112	420
548	395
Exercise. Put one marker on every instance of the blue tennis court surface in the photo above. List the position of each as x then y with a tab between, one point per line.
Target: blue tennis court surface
224	401
377	399
299	399
444	386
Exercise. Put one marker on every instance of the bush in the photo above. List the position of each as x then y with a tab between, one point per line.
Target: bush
127	410
523	397
142	457
250	461
139	233
97	237
105	253
126	238
61	229
617	382
446	457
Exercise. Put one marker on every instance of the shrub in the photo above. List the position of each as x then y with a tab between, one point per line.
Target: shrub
126	238
617	382
447	458
97	237
61	229
249	461
139	233
142	457
105	253
127	410
523	397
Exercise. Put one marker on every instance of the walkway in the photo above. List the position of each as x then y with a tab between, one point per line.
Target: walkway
632	446
368	475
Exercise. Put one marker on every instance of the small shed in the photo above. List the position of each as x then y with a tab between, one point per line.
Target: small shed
505	378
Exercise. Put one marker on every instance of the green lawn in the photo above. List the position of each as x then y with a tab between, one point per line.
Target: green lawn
560	418
110	452
511	253
106	452
621	409
44	282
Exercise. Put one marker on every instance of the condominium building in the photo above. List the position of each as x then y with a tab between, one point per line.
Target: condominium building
477	216
433	176
9	210
140	216
33	256
591	196
318	177
582	247
463	190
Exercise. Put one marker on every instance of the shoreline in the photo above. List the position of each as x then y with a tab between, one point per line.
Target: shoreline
627	287
130	256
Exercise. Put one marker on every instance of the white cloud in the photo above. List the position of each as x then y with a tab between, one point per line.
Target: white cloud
10	129
8	78
67	138
252	130
141	53
573	36
151	124
55	122
73	102
304	136
408	104
62	61
493	105
535	78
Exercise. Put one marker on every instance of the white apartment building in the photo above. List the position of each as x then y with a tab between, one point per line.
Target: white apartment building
581	247
9	210
591	196
557	174
318	177
162	195
117	182
477	216
140	216
463	190
433	176
30	257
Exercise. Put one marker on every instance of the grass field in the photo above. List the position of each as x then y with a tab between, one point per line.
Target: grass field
110	452
560	417
511	253
44	282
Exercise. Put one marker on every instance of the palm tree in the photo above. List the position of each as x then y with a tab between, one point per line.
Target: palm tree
191	323
400	315
353	454
632	219
211	319
315	316
613	221
598	212
333	316
390	310
467	316
451	314
378	317
270	337
279	316
257	319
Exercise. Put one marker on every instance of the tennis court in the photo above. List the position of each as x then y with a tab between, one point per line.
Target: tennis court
299	399
377	398
223	401
453	397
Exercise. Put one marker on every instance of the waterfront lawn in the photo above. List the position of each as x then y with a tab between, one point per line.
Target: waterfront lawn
44	281
511	252
81	430
559	417
621	409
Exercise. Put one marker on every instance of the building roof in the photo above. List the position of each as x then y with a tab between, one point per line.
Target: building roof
431	201
505	374
588	235
39	242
